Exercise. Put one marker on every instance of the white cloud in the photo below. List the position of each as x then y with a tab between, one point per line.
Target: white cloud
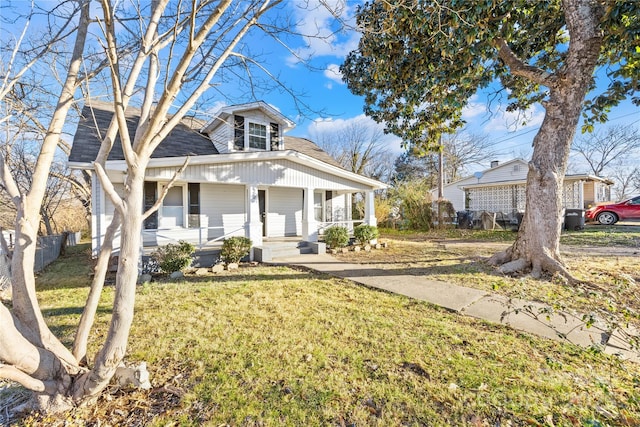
511	121
322	125
333	72
323	34
473	109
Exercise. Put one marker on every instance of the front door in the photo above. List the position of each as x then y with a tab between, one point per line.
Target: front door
263	211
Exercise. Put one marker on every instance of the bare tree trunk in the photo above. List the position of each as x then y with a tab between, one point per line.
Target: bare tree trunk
537	245
97	284
55	363
89	385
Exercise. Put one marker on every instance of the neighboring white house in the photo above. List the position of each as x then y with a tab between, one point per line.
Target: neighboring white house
501	188
244	178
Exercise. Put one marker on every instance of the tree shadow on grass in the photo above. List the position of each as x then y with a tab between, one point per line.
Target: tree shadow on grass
65	329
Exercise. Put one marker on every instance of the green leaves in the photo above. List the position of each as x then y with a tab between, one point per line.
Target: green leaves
418	63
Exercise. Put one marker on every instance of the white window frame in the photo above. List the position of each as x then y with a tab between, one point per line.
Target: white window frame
267	127
185	208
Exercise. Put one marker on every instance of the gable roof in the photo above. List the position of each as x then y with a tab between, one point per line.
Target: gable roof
225	112
477	176
476	180
184	140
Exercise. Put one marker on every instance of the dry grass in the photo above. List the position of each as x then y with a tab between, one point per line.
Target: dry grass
616	303
277	346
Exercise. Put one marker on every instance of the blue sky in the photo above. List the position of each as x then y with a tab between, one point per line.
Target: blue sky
331	105
325	91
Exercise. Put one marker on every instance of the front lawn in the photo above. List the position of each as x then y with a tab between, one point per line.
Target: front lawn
627	235
610	291
277	346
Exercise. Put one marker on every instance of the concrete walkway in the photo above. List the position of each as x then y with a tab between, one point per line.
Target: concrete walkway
526	316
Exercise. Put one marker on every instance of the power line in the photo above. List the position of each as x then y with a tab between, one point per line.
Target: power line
517	135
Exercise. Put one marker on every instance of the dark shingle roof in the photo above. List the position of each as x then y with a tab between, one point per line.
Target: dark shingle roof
184	140
305	146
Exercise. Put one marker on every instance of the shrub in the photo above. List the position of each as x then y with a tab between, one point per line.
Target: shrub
336	236
414	199
365	233
174	257
234	249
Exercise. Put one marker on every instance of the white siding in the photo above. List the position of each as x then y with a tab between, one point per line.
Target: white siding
256	115
280	172
108	216
454	194
222	209
284	212
97	212
222	137
515	170
510	171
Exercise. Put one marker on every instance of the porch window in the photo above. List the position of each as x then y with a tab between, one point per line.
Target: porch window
317	206
194	205
257	136
173	208
150	197
328	206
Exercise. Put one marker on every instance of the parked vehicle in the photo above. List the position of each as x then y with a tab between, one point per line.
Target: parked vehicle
608	214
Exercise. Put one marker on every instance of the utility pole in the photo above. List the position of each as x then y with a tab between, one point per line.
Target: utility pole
440	168
440	179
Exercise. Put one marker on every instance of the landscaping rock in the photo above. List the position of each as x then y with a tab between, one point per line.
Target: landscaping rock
176	275
378	246
144	278
356	249
367	248
232	266
344	250
333	251
218	268
201	272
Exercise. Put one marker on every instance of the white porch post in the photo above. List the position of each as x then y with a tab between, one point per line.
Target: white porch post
309	224
253	225
369	209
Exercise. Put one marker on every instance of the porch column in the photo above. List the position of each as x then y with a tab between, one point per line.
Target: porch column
309	224
369	209
253	225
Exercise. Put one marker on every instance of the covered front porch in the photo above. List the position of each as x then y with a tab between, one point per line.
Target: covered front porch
258	195
272	217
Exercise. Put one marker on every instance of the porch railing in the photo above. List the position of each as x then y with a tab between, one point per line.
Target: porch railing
197	236
349	225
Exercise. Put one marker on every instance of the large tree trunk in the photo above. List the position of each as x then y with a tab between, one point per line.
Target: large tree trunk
537	246
90	384
30	353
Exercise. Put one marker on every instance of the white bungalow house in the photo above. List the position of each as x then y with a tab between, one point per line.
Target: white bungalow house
501	188
244	178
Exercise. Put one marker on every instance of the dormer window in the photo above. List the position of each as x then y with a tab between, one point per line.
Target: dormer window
257	135
252	135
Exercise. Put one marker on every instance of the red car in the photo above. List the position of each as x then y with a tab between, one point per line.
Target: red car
608	214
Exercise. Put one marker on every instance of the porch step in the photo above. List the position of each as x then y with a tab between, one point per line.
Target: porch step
271	250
